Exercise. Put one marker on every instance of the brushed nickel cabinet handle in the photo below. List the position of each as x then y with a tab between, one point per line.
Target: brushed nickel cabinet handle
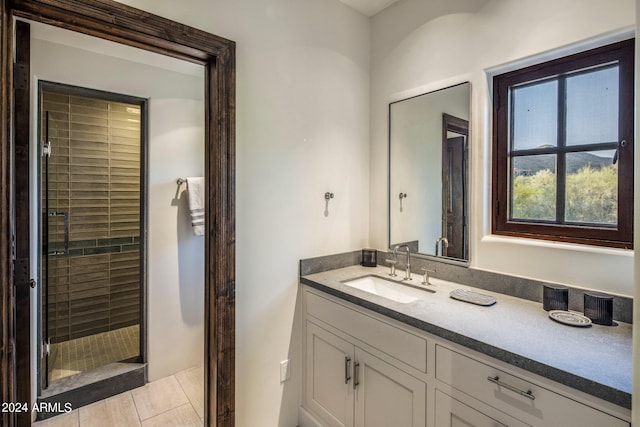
496	380
356	380
347	362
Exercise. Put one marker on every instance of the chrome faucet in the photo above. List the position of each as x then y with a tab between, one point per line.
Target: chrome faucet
445	244
407	275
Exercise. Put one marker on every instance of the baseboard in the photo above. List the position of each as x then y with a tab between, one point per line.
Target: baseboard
305	419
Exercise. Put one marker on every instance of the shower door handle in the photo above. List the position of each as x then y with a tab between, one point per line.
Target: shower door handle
66	233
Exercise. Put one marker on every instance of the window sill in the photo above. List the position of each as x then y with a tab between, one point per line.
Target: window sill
548	244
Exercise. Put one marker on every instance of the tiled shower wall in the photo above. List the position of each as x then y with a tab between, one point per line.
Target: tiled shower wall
94	175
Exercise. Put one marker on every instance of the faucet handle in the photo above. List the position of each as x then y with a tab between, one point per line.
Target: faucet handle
392	263
425	278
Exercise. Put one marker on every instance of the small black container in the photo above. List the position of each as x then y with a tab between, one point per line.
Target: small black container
369	257
554	298
599	308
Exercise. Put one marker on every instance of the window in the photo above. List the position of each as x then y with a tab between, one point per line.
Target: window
563	149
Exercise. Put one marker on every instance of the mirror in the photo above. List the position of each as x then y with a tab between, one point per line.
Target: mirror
428	173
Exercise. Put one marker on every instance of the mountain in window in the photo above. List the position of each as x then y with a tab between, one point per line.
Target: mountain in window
530	165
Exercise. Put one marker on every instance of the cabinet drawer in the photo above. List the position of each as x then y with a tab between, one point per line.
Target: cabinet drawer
508	393
451	412
395	342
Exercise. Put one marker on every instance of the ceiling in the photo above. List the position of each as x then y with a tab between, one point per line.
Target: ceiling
369	7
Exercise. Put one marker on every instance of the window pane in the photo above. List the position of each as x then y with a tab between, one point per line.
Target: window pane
535	115
592	188
533	187
592	107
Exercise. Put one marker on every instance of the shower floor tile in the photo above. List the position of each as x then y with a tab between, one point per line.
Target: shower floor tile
86	353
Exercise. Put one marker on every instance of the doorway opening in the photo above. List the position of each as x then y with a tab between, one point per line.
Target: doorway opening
118	22
92	222
455	135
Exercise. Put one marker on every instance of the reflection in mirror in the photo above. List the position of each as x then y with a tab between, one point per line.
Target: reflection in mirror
428	177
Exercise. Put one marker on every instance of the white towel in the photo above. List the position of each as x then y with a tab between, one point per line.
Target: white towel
195	188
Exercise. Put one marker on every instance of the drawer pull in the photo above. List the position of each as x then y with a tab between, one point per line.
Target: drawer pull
347	363
356	380
496	380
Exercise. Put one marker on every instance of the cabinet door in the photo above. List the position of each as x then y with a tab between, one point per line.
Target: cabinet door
386	396
453	413
328	384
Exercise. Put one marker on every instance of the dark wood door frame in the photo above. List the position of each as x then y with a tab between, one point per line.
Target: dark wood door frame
120	23
21	227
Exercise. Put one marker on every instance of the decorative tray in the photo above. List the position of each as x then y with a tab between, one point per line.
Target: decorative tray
472	297
570	318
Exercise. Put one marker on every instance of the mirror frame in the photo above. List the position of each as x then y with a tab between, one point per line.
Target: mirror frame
110	20
452	123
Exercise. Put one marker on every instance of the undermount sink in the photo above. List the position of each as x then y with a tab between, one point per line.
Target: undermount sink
389	289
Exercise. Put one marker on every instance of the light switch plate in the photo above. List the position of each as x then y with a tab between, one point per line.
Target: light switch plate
284	370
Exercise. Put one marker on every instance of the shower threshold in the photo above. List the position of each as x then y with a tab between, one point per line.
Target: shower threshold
82	389
92	351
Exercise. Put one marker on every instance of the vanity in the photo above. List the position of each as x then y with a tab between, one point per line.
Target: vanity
382	350
371	360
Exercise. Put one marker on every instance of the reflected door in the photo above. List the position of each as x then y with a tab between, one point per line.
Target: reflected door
453	215
455	133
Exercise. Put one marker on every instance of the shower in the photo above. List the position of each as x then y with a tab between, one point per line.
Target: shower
91	231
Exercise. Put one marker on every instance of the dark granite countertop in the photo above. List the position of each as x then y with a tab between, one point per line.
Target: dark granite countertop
596	360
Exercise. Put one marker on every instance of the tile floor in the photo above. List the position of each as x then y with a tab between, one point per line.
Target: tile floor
86	353
173	401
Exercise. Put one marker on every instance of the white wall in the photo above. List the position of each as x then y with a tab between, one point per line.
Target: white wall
175	289
302	130
411	55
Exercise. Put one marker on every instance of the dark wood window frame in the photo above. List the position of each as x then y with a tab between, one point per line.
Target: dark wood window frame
120	23
619	236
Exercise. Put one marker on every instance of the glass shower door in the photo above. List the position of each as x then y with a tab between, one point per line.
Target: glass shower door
91	263
55	234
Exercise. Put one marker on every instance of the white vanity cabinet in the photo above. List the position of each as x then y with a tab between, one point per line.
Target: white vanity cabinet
364	369
347	386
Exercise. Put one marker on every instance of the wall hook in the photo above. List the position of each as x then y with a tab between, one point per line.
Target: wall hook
327	196
402	196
